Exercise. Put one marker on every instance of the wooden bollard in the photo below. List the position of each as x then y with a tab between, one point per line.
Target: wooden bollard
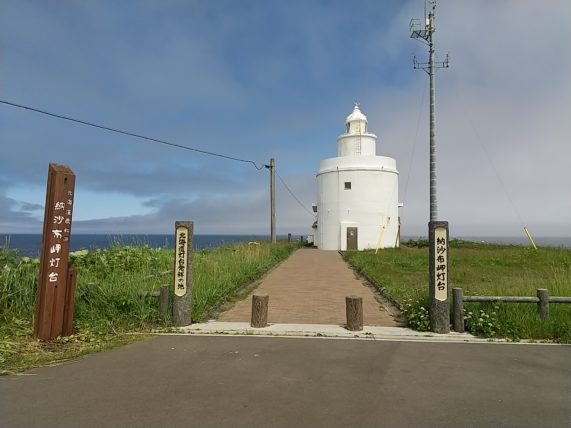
543	304
164	300
458	309
289	238
259	310
354	309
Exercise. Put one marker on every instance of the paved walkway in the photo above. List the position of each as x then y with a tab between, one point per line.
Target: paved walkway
310	288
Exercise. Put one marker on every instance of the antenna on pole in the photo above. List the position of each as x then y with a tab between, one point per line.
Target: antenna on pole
424	31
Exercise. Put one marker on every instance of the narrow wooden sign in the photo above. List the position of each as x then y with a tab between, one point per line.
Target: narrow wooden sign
181	259
441	264
438	276
182	303
53	275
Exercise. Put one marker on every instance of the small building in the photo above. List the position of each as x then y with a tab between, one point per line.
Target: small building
357	203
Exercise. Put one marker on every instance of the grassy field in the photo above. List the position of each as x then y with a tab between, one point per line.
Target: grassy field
479	269
108	305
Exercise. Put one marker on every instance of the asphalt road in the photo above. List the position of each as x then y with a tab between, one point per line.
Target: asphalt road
192	381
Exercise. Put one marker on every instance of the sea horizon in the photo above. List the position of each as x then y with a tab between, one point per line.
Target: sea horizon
28	244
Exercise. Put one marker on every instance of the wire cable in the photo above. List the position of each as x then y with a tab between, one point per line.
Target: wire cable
487	154
414	144
131	134
301	204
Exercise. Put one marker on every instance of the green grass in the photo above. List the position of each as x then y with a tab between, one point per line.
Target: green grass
108	305
479	269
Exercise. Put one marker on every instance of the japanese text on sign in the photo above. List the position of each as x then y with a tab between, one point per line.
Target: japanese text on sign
61	224
440	264
181	258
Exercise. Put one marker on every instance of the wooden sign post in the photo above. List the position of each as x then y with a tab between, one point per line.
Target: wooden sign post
182	304
438	272
52	292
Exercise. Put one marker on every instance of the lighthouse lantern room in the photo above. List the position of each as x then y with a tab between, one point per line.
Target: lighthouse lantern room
357	205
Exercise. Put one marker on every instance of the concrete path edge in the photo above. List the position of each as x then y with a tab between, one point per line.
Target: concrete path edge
212	328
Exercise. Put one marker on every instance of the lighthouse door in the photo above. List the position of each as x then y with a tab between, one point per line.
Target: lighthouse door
352	238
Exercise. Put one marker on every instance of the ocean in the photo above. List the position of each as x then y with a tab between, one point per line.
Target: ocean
29	245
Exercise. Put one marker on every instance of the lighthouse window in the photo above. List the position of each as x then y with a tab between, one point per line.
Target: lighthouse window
347	185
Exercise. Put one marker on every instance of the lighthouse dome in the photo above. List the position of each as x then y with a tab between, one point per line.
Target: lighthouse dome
356	122
356	114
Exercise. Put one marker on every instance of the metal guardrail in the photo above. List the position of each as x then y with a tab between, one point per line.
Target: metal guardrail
542	300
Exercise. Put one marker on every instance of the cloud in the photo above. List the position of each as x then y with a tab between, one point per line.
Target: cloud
210	214
17	215
502	132
257	80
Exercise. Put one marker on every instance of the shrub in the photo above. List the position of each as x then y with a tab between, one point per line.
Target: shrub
416	314
482	323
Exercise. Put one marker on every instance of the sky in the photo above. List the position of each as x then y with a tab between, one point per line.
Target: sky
256	79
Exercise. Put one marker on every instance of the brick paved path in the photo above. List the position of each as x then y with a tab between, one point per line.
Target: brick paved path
310	288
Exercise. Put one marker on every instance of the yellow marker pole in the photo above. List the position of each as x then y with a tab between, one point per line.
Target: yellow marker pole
381	233
397	241
529	237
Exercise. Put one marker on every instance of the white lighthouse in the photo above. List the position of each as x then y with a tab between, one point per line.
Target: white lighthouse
357	205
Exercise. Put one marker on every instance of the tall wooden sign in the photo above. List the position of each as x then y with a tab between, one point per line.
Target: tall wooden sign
438	267
52	292
182	303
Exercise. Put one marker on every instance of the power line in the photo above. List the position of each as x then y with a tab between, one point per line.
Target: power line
301	204
414	144
131	134
480	142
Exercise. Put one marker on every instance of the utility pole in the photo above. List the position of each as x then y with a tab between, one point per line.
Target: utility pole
425	32
272	168
438	236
